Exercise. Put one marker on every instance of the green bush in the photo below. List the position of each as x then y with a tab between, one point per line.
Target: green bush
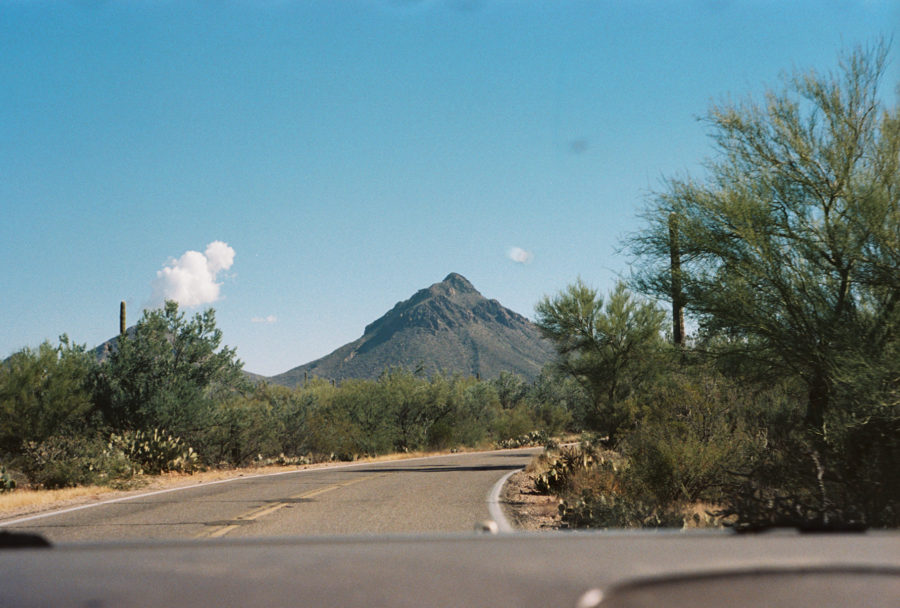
607	510
243	430
154	452
7	483
44	392
68	461
569	466
512	423
527	440
841	478
689	434
592	492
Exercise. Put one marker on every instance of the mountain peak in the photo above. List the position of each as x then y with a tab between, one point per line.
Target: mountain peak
459	283
447	327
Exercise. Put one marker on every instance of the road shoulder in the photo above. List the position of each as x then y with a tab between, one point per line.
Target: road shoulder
525	508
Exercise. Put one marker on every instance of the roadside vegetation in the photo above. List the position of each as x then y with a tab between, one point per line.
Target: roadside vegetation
782	406
169	397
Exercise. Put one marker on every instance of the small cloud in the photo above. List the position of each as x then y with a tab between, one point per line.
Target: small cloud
519	255
267	320
191	279
579	146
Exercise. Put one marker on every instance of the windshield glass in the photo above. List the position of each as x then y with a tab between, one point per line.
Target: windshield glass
314	268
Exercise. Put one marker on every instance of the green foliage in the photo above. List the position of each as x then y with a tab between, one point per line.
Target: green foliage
691	433
790	263
602	510
512	423
463	409
169	374
7	483
593	490
791	247
566	465
611	348
44	392
527	440
71	460
843	477
559	401
511	389
154	452
245	429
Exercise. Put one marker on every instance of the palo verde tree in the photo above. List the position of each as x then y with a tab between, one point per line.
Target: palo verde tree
168	373
609	347
789	248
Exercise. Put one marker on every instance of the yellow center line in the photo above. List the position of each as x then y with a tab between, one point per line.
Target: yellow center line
269	509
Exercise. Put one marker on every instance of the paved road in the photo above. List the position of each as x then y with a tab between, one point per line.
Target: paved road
436	494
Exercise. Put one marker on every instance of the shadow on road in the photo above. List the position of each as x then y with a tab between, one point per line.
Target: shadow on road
450	468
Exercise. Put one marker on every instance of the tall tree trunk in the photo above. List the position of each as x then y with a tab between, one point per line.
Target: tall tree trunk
677	296
819	396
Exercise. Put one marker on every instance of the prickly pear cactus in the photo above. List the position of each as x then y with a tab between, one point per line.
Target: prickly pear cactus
7	483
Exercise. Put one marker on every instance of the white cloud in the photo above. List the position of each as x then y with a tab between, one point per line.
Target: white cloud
519	255
191	279
268	320
219	256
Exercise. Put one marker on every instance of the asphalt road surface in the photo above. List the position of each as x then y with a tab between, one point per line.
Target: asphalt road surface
434	495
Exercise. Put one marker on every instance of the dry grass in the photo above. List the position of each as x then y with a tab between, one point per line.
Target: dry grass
700	515
11	502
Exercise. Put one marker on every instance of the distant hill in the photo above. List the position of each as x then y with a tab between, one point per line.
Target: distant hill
103	351
447	327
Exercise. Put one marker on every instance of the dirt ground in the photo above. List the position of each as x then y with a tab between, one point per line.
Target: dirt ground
526	509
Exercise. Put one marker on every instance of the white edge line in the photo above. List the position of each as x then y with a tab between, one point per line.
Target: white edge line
494	508
497	488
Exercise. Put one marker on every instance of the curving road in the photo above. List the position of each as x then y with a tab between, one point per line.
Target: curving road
435	494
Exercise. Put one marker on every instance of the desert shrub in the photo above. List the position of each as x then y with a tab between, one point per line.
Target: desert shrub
44	392
533	438
608	510
68	461
613	347
591	486
168	372
464	408
371	429
242	429
867	448
510	388
291	408
154	451
568	470
839	478
7	483
689	434
513	422
560	401
330	431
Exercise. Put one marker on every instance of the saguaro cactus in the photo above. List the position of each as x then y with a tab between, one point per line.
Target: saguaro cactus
122	318
677	296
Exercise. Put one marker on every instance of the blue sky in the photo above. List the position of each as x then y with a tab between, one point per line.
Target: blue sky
340	156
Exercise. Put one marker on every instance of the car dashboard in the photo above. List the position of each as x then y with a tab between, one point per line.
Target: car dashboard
573	569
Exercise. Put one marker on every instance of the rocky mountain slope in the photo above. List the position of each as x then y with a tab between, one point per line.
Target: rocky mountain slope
447	327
